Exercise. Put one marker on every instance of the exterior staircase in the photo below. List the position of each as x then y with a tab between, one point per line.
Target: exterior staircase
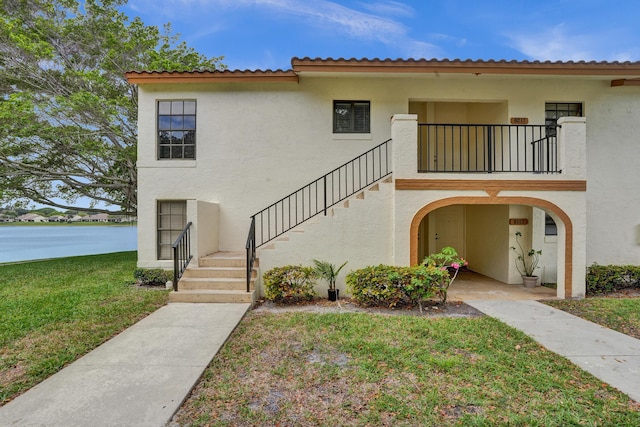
218	278
344	234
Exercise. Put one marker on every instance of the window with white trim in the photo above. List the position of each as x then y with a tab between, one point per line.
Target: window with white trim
172	218
351	117
177	129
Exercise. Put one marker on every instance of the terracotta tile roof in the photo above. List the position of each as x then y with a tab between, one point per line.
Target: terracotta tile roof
376	65
211	75
466	66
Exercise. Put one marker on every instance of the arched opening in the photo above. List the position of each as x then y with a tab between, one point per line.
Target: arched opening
481	228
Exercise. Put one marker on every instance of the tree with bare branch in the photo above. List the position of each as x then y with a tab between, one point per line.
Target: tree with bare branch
67	114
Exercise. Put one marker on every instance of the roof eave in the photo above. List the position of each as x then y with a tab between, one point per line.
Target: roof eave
155	77
433	66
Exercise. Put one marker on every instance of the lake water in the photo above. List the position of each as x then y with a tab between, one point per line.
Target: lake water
21	243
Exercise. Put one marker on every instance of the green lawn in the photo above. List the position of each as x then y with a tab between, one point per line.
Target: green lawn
619	314
354	369
54	311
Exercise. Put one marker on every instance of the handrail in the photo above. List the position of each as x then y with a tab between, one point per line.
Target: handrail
181	254
251	252
315	198
321	194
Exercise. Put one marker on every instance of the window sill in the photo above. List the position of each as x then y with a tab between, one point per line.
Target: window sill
166	164
352	136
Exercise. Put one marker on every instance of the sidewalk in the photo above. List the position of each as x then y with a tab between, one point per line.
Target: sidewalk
608	355
138	378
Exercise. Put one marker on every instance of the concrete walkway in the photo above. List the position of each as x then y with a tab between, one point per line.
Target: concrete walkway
609	355
138	378
473	286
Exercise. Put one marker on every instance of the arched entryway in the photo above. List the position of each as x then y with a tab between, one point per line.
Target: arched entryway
565	229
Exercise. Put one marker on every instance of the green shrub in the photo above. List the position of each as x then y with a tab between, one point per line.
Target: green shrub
391	285
289	283
380	285
152	276
603	279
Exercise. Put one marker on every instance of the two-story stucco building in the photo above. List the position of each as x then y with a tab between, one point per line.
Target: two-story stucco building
398	158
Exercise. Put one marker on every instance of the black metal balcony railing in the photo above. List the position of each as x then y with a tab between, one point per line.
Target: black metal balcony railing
487	148
181	254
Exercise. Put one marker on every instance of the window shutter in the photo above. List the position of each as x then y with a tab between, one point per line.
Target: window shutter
361	117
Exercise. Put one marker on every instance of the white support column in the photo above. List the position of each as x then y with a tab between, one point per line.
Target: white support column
404	133
572	147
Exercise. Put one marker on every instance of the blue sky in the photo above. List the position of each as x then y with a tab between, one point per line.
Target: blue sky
266	34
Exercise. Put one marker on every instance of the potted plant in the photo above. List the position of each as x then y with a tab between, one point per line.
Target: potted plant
327	271
526	262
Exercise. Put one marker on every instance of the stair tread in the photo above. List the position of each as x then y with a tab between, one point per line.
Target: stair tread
216	279
227	255
212	291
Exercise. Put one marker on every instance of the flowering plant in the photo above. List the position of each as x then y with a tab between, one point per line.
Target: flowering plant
526	262
445	261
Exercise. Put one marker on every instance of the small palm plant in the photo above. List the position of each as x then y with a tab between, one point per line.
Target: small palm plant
526	262
327	271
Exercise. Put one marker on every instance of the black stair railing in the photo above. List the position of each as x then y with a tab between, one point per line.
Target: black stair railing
181	254
317	197
487	148
251	252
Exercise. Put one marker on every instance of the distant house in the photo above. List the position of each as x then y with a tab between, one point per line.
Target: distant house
101	217
423	153
31	217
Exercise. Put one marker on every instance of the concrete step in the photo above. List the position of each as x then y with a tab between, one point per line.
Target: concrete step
218	272
225	259
212	283
212	296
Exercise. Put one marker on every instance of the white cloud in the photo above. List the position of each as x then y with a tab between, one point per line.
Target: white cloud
558	44
386	8
376	25
419	49
349	21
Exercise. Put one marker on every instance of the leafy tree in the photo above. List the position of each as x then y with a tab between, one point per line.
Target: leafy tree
46	211
67	114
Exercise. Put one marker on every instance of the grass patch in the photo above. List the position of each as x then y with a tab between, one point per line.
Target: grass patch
353	369
619	314
55	311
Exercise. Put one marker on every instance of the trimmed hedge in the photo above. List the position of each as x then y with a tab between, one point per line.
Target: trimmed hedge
152	276
392	285
604	279
379	285
290	282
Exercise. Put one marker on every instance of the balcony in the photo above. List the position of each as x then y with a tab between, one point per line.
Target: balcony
488	151
479	148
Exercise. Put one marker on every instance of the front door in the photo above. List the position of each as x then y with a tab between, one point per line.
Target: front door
446	226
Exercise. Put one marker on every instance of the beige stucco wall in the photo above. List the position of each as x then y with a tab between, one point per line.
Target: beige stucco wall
359	234
258	142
